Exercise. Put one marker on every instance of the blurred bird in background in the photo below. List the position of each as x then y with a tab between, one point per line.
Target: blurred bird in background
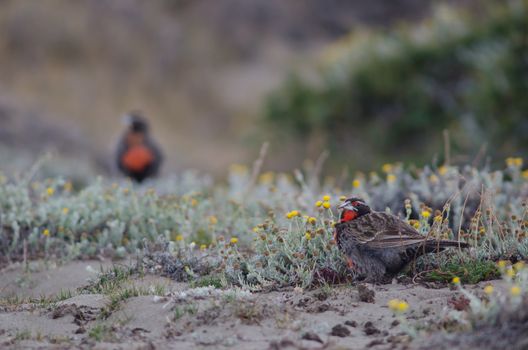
138	156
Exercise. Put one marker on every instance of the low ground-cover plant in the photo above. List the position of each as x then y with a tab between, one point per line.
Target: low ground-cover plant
265	229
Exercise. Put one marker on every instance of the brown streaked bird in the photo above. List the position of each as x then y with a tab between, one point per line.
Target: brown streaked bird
379	245
138	156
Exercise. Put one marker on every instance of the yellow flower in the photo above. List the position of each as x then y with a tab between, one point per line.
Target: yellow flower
514	162
525	174
342	198
256	229
391	178
397	305
326	198
326	205
65	210
68	186
488	289
519	265
442	170
426	214
318	203
387	168
234	240
295	213
403	306
456	280
502	263
203	247
307	236
194	202
50	191
179	238
266	178
213	220
46	232
312	220
515	290
416	224
433	178
510	273
356	183
238	169
438	218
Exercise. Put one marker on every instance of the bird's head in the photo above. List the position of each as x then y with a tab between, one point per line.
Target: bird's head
353	208
136	122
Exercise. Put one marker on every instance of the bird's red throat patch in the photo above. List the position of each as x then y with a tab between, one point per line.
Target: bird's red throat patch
348	215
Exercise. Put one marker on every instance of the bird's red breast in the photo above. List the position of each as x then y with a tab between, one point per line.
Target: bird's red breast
137	158
348	215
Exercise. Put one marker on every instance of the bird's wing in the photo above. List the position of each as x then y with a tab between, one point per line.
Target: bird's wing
381	230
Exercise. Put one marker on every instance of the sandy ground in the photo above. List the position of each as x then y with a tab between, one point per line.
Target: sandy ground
180	318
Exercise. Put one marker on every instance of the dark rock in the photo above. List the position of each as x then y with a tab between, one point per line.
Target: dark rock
366	295
340	331
370	329
312	336
351	323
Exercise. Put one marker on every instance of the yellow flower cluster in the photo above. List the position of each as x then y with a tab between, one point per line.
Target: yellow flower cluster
433	178
514	162
442	170
488	289
426	214
293	214
308	236
387	168
325	203
356	183
391	178
525	174
456	280
398	306
515	290
46	232
312	220
234	240
213	220
50	191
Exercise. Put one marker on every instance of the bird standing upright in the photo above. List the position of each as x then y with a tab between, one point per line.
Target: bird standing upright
378	245
138	156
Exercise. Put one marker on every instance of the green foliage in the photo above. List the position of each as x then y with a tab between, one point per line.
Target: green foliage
217	281
471	271
401	87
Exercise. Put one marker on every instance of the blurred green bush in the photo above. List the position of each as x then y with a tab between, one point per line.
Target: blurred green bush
388	95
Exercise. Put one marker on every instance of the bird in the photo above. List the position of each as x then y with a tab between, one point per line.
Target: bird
138	155
378	245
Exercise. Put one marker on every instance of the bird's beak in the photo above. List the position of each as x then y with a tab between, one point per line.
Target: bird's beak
347	205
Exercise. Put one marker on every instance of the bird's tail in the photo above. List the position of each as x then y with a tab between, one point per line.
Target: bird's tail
436	244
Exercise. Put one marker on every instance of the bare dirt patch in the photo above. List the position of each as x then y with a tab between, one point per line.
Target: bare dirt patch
162	313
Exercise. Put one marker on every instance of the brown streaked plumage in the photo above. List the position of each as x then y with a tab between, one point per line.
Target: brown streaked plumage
379	245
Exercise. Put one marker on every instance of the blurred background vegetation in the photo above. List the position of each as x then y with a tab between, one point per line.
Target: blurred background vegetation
369	81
